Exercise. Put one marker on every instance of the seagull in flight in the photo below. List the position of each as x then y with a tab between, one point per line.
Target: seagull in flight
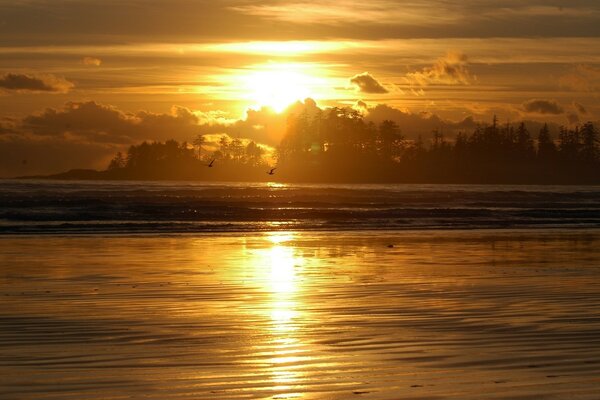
272	171
211	163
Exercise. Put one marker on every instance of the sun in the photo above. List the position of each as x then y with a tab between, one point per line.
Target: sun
278	85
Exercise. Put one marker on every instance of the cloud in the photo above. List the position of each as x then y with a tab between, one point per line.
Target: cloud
34	83
91	61
583	78
449	70
339	13
95	122
541	106
263	125
28	23
91	121
413	125
87	134
365	83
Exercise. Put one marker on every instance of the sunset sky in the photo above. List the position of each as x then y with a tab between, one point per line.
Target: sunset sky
80	79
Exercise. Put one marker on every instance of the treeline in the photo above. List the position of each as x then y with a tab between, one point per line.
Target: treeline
338	145
174	160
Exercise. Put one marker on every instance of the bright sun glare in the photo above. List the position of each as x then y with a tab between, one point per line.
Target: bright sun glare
279	85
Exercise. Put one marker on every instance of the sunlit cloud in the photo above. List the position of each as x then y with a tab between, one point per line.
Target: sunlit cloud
91	61
365	83
449	70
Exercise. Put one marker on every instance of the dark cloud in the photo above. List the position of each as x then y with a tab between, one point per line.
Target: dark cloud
365	83
471	18
29	22
103	123
360	106
87	134
413	125
32	83
100	123
542	106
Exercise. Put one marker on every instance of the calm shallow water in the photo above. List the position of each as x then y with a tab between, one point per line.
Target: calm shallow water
512	314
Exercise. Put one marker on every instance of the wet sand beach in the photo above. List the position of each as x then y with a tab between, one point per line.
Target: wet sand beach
498	314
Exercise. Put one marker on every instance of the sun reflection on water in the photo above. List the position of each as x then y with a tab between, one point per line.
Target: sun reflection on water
283	285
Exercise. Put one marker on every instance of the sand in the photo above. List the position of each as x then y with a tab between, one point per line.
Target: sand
439	315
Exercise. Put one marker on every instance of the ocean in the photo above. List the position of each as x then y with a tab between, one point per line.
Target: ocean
180	207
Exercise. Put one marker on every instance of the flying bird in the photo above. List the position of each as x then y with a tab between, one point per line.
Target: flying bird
211	163
272	171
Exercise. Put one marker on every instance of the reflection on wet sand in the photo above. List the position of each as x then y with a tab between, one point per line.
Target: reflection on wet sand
448	314
283	286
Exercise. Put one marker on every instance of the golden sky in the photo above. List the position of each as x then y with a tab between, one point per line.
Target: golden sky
91	77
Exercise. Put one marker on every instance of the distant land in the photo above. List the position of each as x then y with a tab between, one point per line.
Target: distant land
339	146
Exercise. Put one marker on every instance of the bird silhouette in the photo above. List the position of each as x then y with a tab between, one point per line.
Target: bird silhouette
211	163
272	171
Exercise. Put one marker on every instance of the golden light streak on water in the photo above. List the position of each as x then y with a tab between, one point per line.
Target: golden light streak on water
283	285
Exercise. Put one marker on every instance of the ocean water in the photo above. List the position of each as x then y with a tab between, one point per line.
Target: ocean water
179	207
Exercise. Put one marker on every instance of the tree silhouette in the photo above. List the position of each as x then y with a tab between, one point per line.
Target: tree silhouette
198	142
337	144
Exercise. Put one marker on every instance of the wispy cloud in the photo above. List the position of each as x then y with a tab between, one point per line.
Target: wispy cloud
449	70
583	78
337	12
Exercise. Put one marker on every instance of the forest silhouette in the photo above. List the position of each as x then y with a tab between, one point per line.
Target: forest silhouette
338	145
